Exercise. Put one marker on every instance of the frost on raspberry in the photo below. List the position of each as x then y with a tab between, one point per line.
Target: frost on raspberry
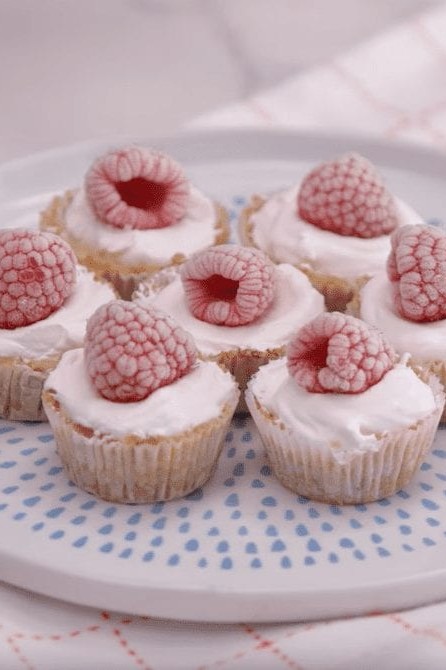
336	353
37	275
228	285
417	269
137	188
348	197
130	351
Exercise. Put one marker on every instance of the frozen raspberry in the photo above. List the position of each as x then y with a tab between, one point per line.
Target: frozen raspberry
348	197
130	351
417	269
37	275
228	285
137	188
336	353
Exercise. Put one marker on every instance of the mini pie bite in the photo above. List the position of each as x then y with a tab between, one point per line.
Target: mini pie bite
408	302
379	415
334	226
45	300
135	214
142	420
239	307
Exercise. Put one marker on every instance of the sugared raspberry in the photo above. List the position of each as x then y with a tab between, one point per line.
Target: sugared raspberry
130	351
37	274
228	285
348	197
137	188
336	353
417	269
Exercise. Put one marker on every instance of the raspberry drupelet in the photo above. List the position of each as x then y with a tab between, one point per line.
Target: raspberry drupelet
37	275
336	353
131	351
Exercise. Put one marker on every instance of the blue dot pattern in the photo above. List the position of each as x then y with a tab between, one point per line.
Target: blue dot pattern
241	520
256	525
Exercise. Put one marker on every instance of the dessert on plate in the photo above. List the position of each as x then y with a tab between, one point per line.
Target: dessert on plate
239	307
408	302
45	300
135	213
342	419
334	226
142	418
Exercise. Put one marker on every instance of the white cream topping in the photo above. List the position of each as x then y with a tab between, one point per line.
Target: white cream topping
286	238
425	341
295	302
63	329
193	399
346	424
195	231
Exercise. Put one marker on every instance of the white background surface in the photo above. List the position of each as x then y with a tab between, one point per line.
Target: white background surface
76	69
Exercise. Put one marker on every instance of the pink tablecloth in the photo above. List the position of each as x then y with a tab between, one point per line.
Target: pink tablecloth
394	86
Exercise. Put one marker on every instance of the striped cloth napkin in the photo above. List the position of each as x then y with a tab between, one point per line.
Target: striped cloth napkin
393	86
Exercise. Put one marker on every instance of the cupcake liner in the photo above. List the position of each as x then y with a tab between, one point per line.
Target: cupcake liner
435	367
368	476
109	266
21	385
133	469
336	290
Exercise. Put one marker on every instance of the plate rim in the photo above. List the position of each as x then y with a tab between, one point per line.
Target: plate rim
220	606
220	134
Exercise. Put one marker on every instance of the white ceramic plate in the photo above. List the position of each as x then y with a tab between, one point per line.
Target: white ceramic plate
243	548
